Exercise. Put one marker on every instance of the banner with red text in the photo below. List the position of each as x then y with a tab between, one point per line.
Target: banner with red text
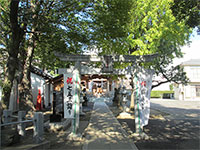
143	83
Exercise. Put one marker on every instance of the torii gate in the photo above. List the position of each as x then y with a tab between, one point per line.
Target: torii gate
73	76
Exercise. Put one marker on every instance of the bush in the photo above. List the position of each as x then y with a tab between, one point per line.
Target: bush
159	94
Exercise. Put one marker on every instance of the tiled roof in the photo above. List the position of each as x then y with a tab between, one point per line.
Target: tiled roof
191	62
40	73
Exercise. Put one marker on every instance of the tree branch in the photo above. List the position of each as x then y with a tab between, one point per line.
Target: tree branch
162	82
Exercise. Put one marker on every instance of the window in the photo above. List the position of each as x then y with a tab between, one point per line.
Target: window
197	90
195	73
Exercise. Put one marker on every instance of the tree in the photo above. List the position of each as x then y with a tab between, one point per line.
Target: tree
188	11
144	27
39	21
173	74
17	33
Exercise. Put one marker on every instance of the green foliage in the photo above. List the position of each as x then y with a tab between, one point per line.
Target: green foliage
111	20
171	87
142	27
112	26
159	94
188	11
58	25
138	27
67	33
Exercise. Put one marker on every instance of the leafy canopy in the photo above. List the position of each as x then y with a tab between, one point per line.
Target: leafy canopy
138	27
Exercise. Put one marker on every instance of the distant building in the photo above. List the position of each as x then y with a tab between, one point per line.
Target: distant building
192	90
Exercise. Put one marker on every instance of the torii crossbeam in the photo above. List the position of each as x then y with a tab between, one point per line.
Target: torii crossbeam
95	58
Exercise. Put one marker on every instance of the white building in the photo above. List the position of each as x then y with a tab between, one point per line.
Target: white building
39	81
192	90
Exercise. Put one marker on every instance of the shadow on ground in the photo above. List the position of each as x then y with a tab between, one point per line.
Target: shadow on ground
164	131
166	134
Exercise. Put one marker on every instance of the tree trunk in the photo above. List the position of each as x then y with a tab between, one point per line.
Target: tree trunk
16	37
25	90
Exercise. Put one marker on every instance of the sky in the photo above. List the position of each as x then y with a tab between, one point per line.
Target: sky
192	51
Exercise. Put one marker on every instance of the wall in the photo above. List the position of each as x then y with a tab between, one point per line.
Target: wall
37	83
179	92
193	73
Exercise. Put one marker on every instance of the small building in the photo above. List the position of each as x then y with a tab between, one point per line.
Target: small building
39	81
192	90
93	83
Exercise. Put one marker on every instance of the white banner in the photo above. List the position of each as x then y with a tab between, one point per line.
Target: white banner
71	94
143	83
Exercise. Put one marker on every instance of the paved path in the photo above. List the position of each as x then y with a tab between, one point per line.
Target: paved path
105	132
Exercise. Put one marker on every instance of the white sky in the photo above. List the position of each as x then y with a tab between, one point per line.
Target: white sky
192	51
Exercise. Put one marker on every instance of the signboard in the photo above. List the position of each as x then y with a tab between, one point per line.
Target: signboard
71	94
68	95
143	83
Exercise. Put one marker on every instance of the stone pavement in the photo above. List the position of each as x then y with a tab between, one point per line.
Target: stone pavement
105	132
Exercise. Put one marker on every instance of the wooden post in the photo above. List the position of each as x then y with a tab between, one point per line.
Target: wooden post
22	126
38	127
7	116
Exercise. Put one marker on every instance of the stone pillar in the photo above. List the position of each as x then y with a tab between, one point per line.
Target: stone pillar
22	126
14	96
46	94
108	89
51	94
7	116
38	127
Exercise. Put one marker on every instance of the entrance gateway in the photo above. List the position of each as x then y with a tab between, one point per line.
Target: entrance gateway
72	82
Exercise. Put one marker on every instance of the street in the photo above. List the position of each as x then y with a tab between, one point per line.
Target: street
176	126
177	110
180	128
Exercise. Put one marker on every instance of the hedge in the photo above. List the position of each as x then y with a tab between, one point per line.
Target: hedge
159	94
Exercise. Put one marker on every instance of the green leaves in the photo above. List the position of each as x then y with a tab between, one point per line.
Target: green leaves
139	26
142	27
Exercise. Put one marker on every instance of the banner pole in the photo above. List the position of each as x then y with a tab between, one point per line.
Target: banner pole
137	109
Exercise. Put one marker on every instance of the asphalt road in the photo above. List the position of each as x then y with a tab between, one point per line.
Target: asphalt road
180	128
178	110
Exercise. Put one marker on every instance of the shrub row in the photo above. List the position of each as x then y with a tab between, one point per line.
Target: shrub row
159	94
